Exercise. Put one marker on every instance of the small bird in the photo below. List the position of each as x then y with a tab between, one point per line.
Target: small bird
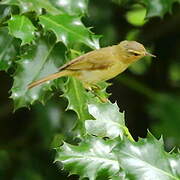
99	65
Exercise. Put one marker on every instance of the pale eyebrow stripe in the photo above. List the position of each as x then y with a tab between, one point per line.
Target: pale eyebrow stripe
130	50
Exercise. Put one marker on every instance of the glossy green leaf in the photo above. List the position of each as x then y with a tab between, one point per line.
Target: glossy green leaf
72	7
77	101
41	60
33	5
158	7
7	49
146	159
109	121
21	27
120	176
174	160
92	158
69	30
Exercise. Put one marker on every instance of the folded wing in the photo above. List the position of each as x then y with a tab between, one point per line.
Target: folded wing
94	60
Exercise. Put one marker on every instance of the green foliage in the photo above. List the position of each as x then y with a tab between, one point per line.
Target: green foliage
158	7
21	27
7	49
92	158
100	145
40	60
109	121
136	16
33	5
71	7
174	73
147	159
69	30
95	157
77	101
153	7
165	110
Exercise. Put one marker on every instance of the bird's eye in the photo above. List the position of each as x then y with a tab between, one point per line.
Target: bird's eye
135	54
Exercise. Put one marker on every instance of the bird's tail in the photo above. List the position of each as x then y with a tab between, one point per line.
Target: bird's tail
48	78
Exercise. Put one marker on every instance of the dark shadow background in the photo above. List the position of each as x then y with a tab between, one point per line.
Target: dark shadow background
148	92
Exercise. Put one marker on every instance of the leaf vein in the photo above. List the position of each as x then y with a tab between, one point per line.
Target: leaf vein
162	171
60	25
43	62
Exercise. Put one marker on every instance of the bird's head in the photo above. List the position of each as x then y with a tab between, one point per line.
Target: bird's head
133	51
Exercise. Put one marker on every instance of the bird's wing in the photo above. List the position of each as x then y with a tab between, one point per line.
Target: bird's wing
98	59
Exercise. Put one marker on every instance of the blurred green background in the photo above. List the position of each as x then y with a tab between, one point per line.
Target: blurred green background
149	93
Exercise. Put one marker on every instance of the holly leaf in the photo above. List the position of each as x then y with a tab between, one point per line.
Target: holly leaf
92	158
109	121
77	101
33	5
71	7
145	159
40	60
21	27
69	30
174	160
158	7
120	176
7	49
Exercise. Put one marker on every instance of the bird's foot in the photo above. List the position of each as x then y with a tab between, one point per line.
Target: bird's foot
96	91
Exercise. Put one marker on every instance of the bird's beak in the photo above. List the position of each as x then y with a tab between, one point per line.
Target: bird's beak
149	54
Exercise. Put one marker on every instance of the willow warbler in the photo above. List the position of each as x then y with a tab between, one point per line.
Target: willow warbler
100	65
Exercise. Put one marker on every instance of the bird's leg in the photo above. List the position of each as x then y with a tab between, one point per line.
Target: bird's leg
87	86
95	87
96	91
